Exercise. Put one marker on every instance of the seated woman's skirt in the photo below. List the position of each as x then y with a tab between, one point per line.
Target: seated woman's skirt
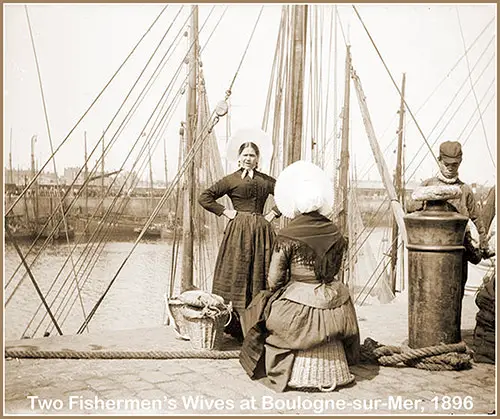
310	347
295	326
323	367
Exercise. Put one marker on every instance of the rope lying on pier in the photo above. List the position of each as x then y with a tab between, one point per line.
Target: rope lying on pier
67	354
433	358
451	357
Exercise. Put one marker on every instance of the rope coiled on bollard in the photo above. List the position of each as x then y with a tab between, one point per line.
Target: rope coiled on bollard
445	357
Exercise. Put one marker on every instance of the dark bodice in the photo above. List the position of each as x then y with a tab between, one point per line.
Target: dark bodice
247	195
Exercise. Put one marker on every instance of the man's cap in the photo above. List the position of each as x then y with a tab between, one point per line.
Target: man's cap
450	152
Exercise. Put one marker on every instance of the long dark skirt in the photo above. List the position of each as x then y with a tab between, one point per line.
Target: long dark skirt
272	338
243	260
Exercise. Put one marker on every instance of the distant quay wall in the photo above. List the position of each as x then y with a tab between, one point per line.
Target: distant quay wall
137	207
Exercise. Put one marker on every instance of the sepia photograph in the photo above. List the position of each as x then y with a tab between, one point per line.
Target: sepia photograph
249	209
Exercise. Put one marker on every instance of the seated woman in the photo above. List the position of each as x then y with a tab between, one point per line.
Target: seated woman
302	331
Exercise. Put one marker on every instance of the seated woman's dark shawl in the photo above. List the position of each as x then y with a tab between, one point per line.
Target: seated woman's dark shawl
318	235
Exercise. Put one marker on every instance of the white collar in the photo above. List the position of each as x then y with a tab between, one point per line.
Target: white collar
249	172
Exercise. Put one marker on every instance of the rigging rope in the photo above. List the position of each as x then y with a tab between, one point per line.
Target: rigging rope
280	81
109	145
245	52
35	284
124	202
382	271
328	71
95	166
438	85
187	161
46	116
341	26
190	156
84	114
395	85
265	118
442	114
473	91
449	121
477	121
76	177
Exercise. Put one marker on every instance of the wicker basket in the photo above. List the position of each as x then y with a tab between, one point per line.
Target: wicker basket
176	307
205	331
323	367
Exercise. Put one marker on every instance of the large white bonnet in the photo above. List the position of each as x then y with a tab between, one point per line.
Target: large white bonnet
303	187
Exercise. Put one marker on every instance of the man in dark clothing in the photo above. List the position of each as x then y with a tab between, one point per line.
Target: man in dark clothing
450	157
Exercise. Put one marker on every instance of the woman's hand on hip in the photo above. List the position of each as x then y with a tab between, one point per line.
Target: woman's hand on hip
230	213
270	216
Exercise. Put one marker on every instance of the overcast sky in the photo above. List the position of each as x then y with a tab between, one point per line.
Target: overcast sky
80	46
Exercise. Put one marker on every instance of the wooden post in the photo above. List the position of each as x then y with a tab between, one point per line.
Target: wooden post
191	114
397	186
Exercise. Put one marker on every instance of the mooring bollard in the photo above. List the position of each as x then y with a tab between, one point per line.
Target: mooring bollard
435	252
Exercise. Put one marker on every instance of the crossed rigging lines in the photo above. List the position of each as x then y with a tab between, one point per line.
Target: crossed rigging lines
158	125
429	146
465	55
94	169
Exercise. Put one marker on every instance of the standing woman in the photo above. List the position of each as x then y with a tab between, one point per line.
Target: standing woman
245	252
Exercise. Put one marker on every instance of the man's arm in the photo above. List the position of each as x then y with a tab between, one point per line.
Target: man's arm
475	217
412	205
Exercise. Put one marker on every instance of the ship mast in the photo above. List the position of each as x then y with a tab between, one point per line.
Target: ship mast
344	148
296	85
191	121
398	187
335	105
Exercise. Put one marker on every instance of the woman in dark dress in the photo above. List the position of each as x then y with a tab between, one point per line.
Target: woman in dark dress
245	252
302	331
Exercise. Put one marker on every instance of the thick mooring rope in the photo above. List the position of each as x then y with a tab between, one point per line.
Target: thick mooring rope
67	354
451	357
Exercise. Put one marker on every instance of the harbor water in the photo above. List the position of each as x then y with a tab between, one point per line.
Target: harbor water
135	300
